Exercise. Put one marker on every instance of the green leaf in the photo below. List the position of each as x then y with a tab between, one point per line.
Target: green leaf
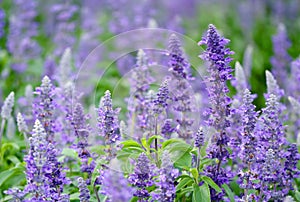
228	191
13	159
5	175
205	192
195	173
74	196
145	144
211	183
201	194
70	153
183	183
130	143
168	142
152	138
297	195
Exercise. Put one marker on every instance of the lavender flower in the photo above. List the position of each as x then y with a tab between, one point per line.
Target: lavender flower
2	22
8	106
43	172
216	54
6	112
162	97
295	79
22	30
138	109
182	100
83	190
199	138
115	186
142	177
249	145
82	133
44	106
281	58
64	26
167	129
166	190
108	121
22	126
17	194
65	68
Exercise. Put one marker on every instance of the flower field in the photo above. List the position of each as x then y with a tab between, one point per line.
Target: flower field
159	101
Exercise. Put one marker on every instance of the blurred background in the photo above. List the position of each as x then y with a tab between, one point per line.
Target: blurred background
35	33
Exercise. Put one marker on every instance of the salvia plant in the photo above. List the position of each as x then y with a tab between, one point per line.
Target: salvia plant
167	126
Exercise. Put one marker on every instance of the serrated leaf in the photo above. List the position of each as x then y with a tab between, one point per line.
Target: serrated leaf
211	183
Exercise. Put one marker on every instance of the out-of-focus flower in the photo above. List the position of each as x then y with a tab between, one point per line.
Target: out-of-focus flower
22	30
8	106
116	187
281	59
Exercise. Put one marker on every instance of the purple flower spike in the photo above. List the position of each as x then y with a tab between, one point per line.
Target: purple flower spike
142	177
281	59
216	54
166	190
108	122
84	195
44	106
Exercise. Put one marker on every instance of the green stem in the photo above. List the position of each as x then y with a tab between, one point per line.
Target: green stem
1	133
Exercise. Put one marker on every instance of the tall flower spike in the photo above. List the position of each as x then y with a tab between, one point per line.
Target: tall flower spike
142	177
166	190
44	175
44	106
107	121
7	106
216	54
22	126
178	64
65	68
272	86
35	161
84	195
281	59
294	89
138	109
81	130
249	144
22	30
182	103
240	81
